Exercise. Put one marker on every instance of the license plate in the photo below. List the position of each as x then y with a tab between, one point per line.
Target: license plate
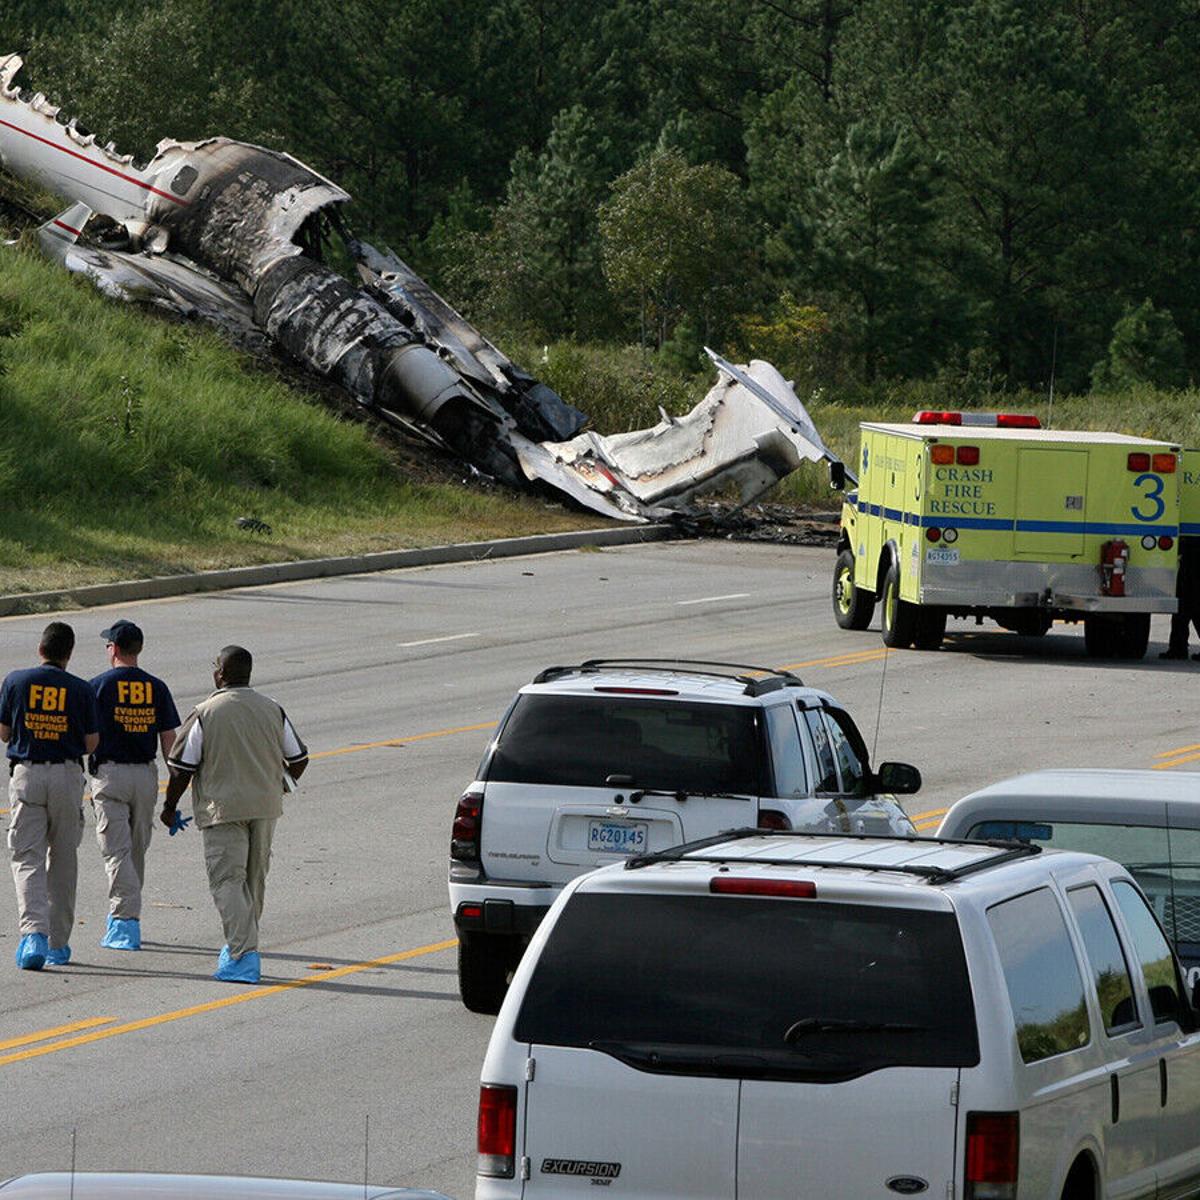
943	558
617	837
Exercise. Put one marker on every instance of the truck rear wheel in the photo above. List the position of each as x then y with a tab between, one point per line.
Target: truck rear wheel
1125	636
1133	635
484	963
852	607
931	628
898	619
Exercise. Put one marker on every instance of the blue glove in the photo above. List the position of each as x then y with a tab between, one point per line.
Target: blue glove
179	824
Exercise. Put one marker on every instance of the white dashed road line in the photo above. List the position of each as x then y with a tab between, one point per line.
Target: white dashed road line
712	599
454	637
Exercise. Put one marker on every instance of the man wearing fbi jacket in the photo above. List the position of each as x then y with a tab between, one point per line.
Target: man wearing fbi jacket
137	716
234	750
48	718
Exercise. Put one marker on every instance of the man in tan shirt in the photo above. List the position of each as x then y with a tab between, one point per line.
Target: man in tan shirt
234	750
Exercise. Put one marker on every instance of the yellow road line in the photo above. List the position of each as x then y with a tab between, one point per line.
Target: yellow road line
932	814
46	1034
400	741
1175	762
225	1002
837	660
1181	750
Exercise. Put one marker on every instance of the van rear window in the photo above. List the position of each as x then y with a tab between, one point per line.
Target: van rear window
578	741
754	987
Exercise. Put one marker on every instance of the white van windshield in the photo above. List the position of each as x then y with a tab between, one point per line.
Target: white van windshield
579	741
753	987
1165	862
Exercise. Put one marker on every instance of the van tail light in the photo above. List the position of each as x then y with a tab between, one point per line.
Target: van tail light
933	534
1166	542
966	456
993	1144
1137	461
772	818
468	820
1164	464
497	1140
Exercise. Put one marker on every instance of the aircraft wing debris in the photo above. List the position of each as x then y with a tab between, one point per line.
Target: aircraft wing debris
236	234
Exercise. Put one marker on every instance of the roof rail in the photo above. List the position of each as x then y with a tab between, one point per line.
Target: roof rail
771	680
1006	851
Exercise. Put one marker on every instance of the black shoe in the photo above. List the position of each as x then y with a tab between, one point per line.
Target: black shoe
1176	654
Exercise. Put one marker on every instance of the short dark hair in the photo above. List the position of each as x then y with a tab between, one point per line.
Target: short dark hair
236	663
58	640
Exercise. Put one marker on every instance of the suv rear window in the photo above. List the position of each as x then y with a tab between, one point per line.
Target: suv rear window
712	985
578	741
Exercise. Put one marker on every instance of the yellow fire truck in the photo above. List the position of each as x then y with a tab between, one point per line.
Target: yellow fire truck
977	515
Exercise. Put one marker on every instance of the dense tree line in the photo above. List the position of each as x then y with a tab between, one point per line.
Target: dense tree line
987	191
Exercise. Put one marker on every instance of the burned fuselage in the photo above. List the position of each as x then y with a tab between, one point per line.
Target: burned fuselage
234	233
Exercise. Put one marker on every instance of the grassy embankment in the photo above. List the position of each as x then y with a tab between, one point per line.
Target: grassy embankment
129	445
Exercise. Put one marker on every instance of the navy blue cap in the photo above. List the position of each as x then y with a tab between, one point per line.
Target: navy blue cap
125	635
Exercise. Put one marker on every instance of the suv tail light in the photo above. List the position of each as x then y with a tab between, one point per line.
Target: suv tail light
468	820
732	885
497	1141
772	818
993	1142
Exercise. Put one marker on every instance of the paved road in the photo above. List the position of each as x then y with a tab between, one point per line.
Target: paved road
394	681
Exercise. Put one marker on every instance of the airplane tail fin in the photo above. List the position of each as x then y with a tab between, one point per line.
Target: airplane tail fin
68	225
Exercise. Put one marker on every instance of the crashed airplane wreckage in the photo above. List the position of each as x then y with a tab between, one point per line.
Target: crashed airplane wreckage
233	233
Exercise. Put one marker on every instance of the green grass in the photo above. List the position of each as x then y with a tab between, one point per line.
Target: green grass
129	446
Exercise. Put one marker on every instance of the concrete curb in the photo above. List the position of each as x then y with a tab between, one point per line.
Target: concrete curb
317	568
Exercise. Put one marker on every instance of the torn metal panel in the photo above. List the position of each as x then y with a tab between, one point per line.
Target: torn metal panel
749	431
234	233
163	280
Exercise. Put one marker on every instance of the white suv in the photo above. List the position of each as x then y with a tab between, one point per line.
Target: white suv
593	763
774	1014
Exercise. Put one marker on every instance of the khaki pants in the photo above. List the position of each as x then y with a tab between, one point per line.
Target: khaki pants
124	796
237	855
44	838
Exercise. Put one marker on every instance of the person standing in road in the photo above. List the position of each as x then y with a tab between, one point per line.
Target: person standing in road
48	719
137	715
1187	590
237	750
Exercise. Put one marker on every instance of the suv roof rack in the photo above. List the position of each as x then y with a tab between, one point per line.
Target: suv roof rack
772	679
1006	851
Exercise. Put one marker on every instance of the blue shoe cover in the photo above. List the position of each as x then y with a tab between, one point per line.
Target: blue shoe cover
59	957
123	933
238	970
31	952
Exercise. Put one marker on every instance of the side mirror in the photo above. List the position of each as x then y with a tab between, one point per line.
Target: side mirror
898	778
837	475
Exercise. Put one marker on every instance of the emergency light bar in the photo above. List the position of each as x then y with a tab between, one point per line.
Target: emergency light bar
998	420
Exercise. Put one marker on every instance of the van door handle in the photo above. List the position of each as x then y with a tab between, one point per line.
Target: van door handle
1162	1082
1115	1085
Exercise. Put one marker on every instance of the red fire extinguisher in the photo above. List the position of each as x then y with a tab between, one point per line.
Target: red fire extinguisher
1114	560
